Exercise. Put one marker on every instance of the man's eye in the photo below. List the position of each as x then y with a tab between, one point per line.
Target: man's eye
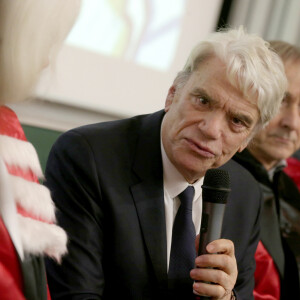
286	100
202	100
238	122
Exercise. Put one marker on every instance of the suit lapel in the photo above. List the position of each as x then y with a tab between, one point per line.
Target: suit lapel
270	229
148	193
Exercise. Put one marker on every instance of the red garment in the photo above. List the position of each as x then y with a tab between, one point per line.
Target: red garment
293	170
267	280
10	125
11	283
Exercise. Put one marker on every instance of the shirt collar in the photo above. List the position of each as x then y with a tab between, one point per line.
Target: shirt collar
174	182
278	167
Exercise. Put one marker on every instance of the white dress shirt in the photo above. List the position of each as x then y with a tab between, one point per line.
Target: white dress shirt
174	184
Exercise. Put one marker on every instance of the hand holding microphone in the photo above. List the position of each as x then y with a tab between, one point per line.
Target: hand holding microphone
213	260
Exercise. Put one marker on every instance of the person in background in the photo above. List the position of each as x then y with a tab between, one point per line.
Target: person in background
118	185
276	276
30	31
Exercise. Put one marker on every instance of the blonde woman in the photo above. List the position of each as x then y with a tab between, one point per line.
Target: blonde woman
30	33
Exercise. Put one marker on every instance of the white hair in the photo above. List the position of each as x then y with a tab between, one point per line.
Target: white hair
30	31
251	66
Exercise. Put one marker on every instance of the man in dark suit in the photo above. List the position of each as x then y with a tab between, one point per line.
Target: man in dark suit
276	276
116	184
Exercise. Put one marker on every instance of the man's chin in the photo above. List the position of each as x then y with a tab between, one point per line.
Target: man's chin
281	153
198	170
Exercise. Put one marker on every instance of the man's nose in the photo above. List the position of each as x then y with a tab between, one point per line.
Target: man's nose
212	125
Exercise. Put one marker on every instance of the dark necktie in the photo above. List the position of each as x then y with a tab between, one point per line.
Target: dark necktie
183	252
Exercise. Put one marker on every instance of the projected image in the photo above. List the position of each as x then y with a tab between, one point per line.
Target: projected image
145	32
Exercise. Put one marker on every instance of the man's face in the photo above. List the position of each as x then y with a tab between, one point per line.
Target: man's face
207	121
281	138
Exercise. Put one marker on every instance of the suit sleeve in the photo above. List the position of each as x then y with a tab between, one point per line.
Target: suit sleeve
73	181
242	225
246	261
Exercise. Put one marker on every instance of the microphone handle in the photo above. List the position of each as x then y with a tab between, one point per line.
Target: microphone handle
211	227
211	224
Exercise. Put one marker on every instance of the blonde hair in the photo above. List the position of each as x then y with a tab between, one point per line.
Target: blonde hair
30	31
252	67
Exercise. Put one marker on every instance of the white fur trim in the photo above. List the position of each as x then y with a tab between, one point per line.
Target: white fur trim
40	238
8	209
20	153
34	198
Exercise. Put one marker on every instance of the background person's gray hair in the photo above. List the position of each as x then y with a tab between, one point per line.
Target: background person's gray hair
285	50
252	67
30	33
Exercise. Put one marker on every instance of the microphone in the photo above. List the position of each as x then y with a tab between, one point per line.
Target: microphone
215	191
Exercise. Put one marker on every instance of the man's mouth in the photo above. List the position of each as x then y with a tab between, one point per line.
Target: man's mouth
282	139
200	149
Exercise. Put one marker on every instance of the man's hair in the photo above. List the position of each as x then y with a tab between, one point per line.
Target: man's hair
30	32
286	51
251	65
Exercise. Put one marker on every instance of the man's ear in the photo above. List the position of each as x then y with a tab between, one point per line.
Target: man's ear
243	146
170	98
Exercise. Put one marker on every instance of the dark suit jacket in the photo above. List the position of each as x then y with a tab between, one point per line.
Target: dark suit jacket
276	235
107	182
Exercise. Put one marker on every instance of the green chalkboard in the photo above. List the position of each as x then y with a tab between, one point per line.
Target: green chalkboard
42	139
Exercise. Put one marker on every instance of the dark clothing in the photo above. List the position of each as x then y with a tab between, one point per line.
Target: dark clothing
34	276
107	182
280	196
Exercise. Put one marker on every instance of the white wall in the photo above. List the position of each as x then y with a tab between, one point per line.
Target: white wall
120	84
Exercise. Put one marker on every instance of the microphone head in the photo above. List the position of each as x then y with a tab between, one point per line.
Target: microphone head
216	186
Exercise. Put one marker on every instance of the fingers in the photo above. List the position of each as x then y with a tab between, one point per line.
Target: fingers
210	290
221	246
217	261
217	246
218	268
222	257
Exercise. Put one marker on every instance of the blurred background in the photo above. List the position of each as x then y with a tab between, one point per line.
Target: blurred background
122	55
